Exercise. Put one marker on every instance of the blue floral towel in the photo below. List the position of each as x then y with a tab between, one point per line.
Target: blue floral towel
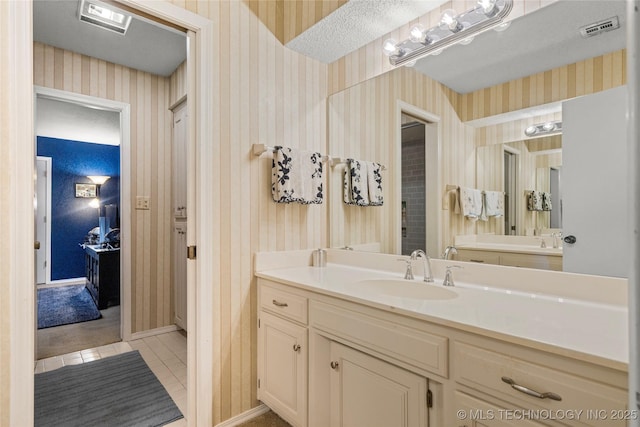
363	183
296	176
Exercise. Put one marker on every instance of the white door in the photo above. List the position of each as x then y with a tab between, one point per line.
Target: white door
595	182
366	391
180	161
180	272
43	194
282	367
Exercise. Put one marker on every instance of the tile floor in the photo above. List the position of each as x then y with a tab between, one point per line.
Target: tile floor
165	354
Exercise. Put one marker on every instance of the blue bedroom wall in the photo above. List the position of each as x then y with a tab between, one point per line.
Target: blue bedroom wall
71	217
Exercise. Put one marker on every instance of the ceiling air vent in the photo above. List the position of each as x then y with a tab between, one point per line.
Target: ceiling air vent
600	27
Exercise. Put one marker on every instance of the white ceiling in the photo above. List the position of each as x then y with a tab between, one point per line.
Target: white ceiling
147	46
539	41
74	122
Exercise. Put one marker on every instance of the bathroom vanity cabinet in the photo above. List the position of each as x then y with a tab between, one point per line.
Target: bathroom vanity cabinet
366	364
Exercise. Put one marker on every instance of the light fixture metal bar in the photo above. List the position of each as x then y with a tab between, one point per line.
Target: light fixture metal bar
412	51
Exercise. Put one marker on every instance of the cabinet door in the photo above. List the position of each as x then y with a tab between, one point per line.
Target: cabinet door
282	367
366	391
180	273
472	412
179	171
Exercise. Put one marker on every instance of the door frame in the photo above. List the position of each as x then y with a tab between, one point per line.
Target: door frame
47	224
201	340
433	149
124	112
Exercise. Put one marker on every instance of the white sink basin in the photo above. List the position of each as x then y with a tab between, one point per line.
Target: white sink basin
401	288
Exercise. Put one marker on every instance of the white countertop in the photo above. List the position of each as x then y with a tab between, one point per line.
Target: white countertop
594	332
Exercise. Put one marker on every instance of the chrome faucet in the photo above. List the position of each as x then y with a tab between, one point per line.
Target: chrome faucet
428	275
448	276
556	238
449	250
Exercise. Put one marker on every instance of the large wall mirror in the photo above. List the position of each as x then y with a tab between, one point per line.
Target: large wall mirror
442	99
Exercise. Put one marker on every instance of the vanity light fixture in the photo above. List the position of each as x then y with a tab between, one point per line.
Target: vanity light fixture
547	128
450	30
103	16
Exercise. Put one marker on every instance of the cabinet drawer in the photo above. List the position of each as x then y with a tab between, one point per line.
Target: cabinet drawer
284	303
402	343
472	412
483	370
484	257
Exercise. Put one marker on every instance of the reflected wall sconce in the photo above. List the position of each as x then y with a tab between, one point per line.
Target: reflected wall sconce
543	129
97	180
452	29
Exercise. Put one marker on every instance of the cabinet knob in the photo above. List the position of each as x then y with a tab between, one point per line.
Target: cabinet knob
334	365
296	347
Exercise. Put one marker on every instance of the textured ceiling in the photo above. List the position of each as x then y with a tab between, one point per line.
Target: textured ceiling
355	24
146	46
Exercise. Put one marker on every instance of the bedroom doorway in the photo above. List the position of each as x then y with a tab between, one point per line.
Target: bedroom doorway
79	220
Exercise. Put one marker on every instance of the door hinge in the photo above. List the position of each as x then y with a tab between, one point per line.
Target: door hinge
191	252
429	399
258	382
258	322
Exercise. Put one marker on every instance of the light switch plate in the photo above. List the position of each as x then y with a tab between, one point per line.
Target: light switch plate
143	203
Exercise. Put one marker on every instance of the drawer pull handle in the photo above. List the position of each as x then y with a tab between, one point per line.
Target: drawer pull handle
530	392
280	304
296	347
334	365
476	260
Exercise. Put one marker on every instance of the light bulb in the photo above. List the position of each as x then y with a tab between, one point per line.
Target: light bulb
389	47
549	126
487	7
417	33
531	130
94	203
502	27
466	41
449	22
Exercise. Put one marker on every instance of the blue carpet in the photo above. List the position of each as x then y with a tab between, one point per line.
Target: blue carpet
116	391
65	305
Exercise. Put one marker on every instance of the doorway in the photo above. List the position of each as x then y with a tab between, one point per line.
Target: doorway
80	136
419	146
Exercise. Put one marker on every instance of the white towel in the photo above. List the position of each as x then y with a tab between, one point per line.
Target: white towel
493	204
296	176
469	202
356	183
546	201
374	178
534	201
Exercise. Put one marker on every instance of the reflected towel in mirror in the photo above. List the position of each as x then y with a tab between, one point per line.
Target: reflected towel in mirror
492	204
469	202
362	183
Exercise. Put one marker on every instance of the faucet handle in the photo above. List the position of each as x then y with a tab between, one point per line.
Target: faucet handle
448	276
408	275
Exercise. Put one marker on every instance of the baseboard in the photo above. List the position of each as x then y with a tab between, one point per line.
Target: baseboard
245	416
64	282
152	332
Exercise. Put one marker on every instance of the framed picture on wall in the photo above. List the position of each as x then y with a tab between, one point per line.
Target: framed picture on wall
86	190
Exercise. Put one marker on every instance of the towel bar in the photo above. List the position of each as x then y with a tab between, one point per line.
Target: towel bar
259	149
335	161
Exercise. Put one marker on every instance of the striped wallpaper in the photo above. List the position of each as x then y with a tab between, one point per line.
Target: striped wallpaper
151	164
